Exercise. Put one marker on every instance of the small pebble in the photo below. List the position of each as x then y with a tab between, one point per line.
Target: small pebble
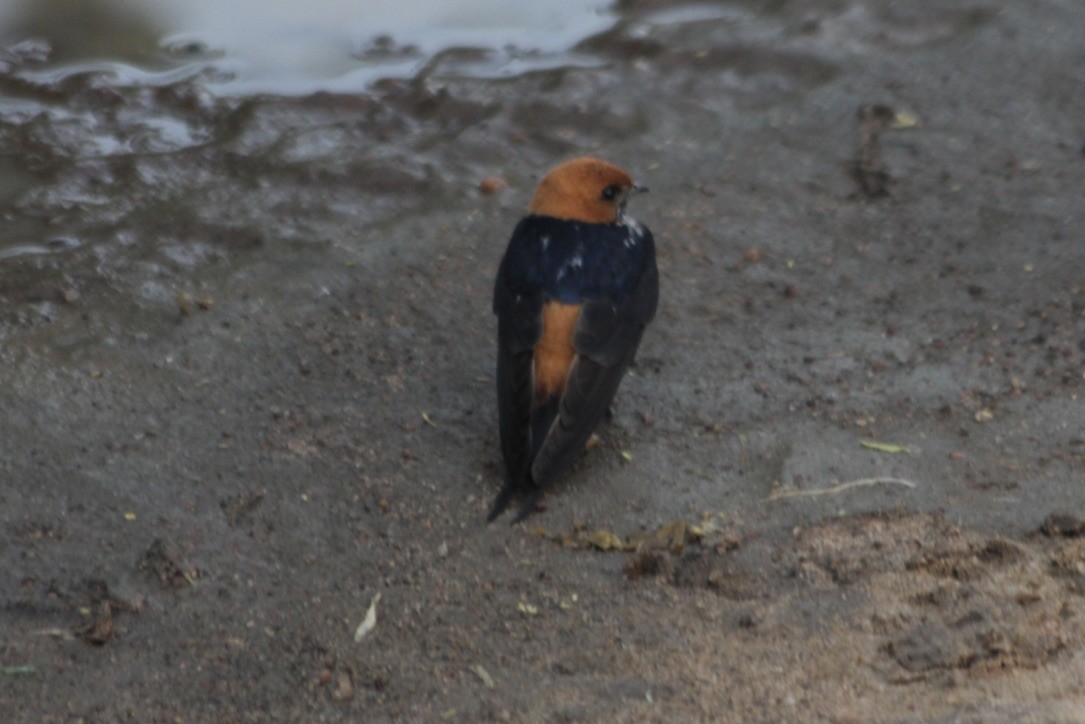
492	185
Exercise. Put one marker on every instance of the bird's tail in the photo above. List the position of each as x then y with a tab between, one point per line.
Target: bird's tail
542	419
528	506
502	501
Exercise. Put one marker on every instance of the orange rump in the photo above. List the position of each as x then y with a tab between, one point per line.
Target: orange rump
554	352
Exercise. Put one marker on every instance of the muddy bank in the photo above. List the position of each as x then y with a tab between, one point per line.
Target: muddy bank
248	386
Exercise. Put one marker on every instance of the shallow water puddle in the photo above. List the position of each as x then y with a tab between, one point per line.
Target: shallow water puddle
251	46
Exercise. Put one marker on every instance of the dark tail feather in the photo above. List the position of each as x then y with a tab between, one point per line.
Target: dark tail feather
529	505
542	419
502	501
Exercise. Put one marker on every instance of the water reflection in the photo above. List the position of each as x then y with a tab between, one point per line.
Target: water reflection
294	47
75	31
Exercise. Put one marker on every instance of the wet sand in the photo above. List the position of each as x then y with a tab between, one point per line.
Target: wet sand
250	387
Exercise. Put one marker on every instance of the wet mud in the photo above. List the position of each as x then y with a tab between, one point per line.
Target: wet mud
248	386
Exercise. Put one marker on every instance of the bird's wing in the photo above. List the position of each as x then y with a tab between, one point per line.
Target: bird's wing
514	390
518	305
606	339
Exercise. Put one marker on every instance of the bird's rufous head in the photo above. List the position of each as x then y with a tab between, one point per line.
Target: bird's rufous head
584	189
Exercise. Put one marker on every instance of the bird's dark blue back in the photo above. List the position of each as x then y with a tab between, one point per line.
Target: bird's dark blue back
572	261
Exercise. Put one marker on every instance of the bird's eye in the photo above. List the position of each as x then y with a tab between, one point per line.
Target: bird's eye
611	192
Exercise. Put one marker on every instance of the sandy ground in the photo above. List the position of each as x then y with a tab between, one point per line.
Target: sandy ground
254	390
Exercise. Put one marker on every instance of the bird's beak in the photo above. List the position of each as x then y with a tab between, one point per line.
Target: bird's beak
629	193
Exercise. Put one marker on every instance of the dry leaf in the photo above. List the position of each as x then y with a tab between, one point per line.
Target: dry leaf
904	120
369	622
481	673
884	447
604	540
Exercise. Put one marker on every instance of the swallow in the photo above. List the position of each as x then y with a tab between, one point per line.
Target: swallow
575	290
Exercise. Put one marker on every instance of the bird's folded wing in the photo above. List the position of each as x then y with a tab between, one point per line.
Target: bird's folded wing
606	340
514	391
609	330
588	393
518	329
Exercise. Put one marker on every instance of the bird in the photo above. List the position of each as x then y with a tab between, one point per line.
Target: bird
575	290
